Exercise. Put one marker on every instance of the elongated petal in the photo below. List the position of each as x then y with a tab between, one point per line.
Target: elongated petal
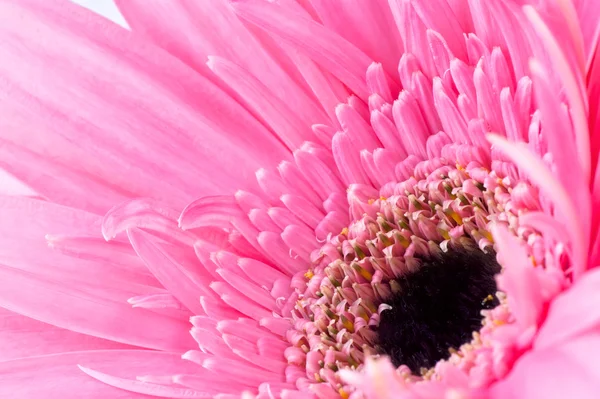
78	309
58	377
120	99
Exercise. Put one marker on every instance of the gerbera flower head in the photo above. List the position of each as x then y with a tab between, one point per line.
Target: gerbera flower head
299	199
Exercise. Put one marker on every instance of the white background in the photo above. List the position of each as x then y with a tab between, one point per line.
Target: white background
104	7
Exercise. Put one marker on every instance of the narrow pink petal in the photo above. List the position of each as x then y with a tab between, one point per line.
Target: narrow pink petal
412	30
385	162
183	282
559	372
562	142
523	102
272	184
437	15
511	126
328	90
219	310
304	210
462	74
240	372
283	217
144	387
488	105
261	219
276	248
453	123
158	302
58	377
80	311
518	279
347	158
577	99
422	89
209	211
436	143
248	288
543	178
194	31
283	120
409	121
368	25
260	273
369	168
239	302
439	51
503	20
24	245
318	173
21	336
300	240
387	133
293	177
142	140
407	67
378	83
331	51
572	313
500	72
359	129
143	213
333	222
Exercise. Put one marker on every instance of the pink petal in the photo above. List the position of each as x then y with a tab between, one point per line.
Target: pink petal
539	173
518	279
58	377
331	51
143	137
21	336
181	279
194	31
368	25
75	309
276	113
572	313
569	370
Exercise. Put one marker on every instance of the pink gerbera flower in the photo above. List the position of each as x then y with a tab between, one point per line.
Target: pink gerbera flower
300	199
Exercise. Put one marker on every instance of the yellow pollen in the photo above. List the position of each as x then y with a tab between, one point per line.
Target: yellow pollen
455	216
499	322
347	323
363	272
309	274
487	235
343	393
370	202
382	198
344	231
444	234
533	261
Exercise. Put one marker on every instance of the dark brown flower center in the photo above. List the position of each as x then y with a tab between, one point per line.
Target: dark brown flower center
438	307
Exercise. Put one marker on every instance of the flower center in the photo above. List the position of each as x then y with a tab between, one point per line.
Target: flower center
438	307
409	276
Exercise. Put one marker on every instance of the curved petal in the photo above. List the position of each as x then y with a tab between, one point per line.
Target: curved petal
139	130
21	336
58	377
195	30
567	371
